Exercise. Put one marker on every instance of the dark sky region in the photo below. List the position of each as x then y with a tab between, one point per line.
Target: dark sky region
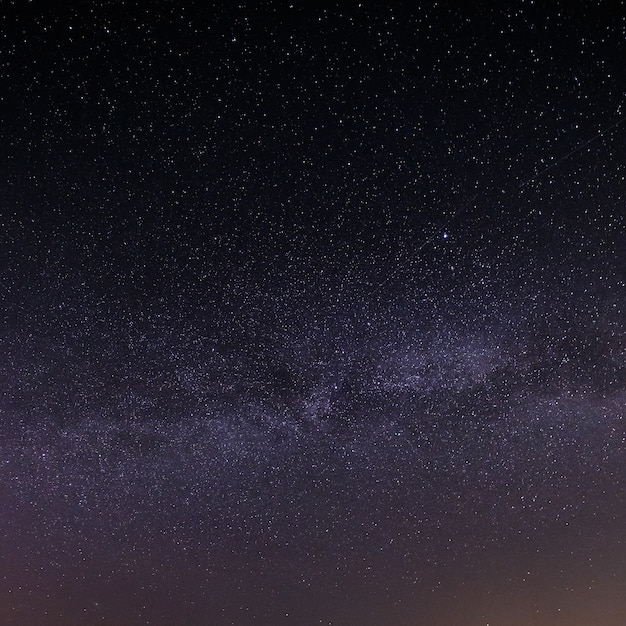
312	315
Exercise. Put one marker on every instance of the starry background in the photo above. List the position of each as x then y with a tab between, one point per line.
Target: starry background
312	315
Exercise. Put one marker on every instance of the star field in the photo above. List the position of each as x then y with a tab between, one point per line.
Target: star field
312	315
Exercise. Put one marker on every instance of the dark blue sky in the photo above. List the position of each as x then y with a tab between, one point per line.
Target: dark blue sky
312	316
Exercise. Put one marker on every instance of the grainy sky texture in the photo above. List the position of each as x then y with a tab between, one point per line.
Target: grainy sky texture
312	315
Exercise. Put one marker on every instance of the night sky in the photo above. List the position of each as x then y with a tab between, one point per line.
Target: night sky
312	315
